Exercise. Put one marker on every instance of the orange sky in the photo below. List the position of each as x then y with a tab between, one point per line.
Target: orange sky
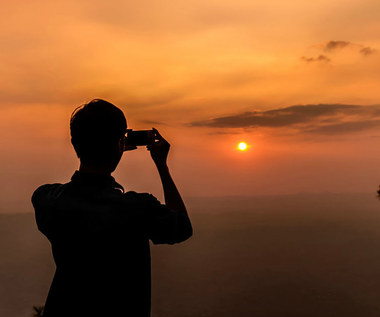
208	74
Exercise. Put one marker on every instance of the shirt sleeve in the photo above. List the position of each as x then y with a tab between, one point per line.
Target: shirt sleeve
42	208
164	225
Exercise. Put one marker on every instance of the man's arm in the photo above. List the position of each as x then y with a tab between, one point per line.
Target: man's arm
159	151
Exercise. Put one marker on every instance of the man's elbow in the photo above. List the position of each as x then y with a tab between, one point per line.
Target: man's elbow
185	234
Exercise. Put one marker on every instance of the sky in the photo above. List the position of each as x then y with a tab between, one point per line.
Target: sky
298	81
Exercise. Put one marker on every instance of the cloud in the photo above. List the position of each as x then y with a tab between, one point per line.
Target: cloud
367	51
335	45
344	127
320	58
316	119
153	122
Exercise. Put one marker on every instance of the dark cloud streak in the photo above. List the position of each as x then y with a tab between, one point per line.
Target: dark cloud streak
344	127
334	45
366	51
315	119
320	58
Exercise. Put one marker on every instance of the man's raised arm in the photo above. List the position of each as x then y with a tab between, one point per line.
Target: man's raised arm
159	150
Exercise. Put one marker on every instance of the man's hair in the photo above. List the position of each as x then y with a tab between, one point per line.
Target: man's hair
96	128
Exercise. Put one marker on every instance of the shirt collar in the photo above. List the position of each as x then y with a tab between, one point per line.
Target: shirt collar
100	179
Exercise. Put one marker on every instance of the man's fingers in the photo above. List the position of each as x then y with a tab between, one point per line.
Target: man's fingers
158	135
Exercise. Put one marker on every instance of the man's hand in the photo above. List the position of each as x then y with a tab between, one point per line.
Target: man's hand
159	149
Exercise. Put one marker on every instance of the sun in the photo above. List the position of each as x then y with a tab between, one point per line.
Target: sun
242	146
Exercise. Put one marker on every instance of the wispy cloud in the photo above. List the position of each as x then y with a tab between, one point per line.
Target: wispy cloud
335	45
331	48
367	51
320	58
344	127
316	119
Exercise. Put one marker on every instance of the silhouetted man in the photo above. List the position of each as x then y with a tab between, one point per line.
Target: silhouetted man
99	234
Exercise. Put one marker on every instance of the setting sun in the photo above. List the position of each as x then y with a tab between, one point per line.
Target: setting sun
242	146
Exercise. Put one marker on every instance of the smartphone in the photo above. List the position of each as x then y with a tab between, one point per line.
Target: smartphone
138	137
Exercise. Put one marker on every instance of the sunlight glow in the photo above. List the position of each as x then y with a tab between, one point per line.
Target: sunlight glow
242	146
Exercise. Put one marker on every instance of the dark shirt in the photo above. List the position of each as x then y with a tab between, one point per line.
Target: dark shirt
100	243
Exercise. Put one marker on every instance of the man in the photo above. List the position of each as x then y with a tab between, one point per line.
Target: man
99	234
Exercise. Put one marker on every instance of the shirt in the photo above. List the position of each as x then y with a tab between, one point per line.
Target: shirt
100	243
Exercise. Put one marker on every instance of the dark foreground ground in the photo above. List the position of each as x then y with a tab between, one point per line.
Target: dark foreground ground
283	256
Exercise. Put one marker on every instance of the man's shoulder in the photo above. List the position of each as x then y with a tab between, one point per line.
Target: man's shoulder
46	192
141	197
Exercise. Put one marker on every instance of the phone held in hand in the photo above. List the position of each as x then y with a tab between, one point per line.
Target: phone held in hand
138	137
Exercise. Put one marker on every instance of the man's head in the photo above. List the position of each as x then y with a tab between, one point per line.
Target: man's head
97	134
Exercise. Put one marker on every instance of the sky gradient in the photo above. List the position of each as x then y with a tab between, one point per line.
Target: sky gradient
298	81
